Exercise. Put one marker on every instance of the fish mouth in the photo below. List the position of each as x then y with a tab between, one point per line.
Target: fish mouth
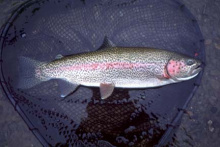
193	73
196	70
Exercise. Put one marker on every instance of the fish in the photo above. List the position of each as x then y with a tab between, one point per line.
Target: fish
110	67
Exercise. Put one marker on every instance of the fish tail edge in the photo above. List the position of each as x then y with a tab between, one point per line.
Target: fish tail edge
27	73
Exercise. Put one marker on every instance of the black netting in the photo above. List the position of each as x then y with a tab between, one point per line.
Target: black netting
42	29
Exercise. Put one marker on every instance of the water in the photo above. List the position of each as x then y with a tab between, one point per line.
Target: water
204	106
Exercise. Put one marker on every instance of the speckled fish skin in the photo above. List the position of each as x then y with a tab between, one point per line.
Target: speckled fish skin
123	67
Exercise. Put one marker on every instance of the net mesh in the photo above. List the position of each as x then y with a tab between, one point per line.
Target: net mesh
42	29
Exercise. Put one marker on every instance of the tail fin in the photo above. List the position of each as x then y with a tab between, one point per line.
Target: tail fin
27	78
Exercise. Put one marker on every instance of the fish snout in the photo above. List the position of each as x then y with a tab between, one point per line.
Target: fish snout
197	68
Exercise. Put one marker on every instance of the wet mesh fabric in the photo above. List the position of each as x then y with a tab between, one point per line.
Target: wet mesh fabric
42	29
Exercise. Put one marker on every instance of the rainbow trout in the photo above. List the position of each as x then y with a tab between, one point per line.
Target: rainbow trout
121	67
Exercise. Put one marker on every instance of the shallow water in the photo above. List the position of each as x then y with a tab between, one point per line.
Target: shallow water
205	99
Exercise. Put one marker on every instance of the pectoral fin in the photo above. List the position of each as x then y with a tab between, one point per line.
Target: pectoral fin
106	90
66	87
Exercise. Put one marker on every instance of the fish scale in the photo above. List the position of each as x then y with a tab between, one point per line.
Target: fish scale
145	65
123	67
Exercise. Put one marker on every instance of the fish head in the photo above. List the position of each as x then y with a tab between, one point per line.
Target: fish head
181	68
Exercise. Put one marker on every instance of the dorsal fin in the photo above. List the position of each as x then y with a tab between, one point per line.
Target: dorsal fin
106	44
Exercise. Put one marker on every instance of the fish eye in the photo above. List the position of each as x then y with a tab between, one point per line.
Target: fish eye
190	62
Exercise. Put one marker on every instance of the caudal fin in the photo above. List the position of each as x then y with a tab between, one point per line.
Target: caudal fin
27	78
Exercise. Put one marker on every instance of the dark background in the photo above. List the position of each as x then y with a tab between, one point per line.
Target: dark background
200	126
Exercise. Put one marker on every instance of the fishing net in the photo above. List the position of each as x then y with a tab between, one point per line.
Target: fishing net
42	29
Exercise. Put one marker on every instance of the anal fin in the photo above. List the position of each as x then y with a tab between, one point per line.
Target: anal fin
66	87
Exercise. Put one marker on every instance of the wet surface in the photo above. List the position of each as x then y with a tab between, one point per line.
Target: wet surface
200	125
204	104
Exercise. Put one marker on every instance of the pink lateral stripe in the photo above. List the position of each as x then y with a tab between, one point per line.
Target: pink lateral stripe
104	66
